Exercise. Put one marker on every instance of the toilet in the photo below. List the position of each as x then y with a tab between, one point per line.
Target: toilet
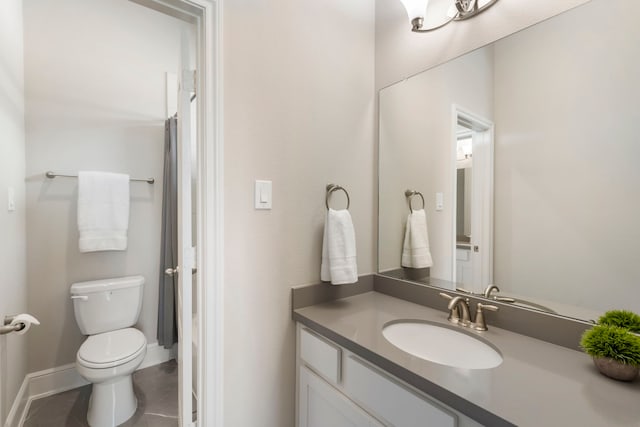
106	310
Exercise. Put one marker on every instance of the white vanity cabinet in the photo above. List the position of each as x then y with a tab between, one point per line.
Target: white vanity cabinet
336	388
321	405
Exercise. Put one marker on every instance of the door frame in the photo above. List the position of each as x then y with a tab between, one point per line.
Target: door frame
207	16
483	151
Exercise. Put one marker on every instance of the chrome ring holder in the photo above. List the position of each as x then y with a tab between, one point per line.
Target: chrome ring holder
409	195
335	187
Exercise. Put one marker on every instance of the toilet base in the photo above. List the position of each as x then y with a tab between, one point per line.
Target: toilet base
112	402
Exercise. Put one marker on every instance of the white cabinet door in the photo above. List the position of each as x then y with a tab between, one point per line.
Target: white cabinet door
389	400
323	406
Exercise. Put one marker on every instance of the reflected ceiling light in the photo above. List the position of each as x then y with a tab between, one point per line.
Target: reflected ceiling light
459	11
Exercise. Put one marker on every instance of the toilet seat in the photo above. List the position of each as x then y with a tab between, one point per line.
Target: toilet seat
112	348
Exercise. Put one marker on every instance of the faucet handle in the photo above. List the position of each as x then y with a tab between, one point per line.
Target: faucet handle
445	296
487	307
464	291
480	323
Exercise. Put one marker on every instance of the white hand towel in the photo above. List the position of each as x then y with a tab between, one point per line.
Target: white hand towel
339	249
103	211
415	251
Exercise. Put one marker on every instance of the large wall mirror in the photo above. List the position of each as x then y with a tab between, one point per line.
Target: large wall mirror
555	192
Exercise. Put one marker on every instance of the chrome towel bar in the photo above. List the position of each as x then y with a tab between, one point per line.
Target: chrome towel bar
52	175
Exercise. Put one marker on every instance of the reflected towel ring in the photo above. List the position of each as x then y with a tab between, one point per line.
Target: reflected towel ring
410	193
334	187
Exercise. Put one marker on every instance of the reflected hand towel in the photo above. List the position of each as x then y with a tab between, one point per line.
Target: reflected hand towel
103	211
339	264
415	251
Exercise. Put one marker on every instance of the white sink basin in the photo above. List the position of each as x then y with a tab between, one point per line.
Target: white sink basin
440	344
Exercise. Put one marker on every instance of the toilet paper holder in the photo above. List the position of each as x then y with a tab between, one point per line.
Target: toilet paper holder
8	328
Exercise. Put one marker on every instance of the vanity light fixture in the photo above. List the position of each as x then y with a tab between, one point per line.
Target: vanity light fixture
460	10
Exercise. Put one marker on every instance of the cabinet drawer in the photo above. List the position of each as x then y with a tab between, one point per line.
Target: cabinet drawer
321	355
390	401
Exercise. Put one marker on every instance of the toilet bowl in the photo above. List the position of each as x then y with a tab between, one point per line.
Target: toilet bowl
108	360
105	311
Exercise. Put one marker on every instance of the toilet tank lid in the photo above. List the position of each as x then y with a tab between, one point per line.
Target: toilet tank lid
106	284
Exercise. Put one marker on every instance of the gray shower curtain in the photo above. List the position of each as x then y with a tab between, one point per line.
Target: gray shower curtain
167	310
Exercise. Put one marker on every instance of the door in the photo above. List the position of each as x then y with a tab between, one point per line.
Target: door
473	190
186	251
322	405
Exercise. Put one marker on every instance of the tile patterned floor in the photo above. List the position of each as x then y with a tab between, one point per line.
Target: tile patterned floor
156	388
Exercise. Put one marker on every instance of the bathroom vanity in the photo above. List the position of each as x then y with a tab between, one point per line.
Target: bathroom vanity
336	387
348	374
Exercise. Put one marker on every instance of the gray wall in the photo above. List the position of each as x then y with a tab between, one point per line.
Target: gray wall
299	99
566	174
95	100
13	286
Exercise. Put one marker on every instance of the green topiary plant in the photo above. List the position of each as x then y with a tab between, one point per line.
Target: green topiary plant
613	342
621	318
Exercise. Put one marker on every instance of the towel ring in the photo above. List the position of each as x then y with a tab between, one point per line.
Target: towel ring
334	187
409	194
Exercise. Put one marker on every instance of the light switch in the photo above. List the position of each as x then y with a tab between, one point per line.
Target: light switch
11	199
263	194
439	201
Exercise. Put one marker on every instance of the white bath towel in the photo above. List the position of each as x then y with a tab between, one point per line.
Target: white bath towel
415	251
103	211
339	249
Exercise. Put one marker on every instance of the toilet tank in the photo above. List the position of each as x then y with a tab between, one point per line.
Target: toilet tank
108	304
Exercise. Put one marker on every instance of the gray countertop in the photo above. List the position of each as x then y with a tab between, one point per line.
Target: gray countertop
537	384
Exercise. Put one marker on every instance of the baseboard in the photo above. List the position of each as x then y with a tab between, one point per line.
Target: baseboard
37	385
19	407
157	355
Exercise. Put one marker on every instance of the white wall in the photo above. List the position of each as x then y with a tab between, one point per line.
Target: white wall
13	293
299	97
566	174
95	100
401	53
416	151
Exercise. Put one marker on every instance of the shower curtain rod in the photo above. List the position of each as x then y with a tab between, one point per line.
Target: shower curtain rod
52	175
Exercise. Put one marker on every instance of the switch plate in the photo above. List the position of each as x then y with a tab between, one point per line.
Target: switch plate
263	194
11	199
439	201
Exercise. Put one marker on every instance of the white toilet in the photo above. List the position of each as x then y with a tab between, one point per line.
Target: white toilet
106	310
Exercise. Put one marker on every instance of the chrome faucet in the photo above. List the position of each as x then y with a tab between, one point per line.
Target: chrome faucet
458	309
459	312
490	288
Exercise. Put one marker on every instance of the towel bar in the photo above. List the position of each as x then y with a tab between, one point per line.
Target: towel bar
334	187
409	195
52	175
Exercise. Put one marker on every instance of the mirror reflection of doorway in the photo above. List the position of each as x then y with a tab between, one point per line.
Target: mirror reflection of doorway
473	189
